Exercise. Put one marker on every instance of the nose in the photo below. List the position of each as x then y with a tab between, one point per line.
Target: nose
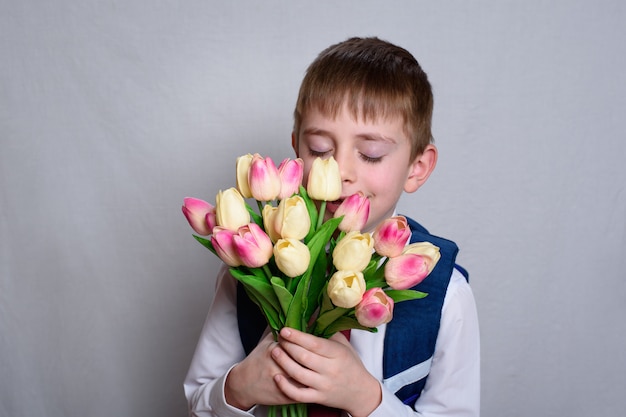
347	167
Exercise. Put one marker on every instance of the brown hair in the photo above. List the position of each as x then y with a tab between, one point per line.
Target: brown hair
376	79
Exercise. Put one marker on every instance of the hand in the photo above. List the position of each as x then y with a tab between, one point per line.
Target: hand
251	381
324	371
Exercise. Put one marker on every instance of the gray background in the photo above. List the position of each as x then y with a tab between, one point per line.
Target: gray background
111	112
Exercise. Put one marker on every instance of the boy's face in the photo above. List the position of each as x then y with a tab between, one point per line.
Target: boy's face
373	158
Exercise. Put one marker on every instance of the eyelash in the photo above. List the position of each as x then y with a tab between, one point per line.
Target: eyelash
365	158
316	153
371	160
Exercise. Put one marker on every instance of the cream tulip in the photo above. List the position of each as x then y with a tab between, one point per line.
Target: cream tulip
324	183
243	168
353	252
292	257
346	288
292	218
230	209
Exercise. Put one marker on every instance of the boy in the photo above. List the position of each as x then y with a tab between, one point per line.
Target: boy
367	103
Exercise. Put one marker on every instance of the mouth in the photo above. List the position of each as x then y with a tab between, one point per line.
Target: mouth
332	206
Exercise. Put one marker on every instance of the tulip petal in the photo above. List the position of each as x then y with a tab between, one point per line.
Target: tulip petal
222	241
324	183
263	179
290	172
405	271
196	212
253	245
355	211
375	308
391	236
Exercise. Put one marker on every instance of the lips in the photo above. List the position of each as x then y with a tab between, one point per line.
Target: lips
332	206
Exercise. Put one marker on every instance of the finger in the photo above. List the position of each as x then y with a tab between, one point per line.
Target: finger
294	369
308	342
295	391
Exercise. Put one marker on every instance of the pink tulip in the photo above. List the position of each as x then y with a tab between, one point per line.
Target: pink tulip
406	270
375	308
223	244
290	172
391	235
253	245
263	179
200	215
355	211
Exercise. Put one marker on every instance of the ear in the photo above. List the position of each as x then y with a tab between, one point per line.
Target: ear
421	168
294	143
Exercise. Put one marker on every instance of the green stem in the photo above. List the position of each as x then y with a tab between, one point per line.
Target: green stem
267	271
320	219
260	205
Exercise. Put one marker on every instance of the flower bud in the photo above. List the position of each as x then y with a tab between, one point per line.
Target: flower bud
243	168
200	215
429	251
412	266
253	245
290	172
375	308
346	288
292	218
222	241
391	235
324	181
230	210
263	178
292	257
353	252
355	211
269	216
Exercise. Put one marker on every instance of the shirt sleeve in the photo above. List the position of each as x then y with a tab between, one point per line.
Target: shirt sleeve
218	350
453	385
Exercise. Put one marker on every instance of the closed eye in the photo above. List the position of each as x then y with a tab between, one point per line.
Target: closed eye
320	154
371	159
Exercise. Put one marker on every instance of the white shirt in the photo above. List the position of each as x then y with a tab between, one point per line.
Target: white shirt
452	388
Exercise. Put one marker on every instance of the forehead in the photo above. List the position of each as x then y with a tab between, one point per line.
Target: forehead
347	120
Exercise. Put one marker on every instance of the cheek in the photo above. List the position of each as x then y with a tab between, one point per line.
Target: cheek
380	183
305	173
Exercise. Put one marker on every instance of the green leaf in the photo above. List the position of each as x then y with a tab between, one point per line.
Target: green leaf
312	209
272	317
303	297
327	318
374	273
325	302
262	290
283	295
317	285
206	243
256	217
345	323
404	295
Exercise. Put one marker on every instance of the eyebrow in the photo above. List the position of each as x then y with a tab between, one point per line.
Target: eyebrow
375	137
316	131
372	137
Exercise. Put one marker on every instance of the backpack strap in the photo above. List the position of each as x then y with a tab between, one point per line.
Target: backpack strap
411	335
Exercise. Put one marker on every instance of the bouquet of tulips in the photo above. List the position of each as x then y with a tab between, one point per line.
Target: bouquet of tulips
315	275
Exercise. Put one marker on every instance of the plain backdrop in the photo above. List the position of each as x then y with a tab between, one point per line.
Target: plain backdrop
111	112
